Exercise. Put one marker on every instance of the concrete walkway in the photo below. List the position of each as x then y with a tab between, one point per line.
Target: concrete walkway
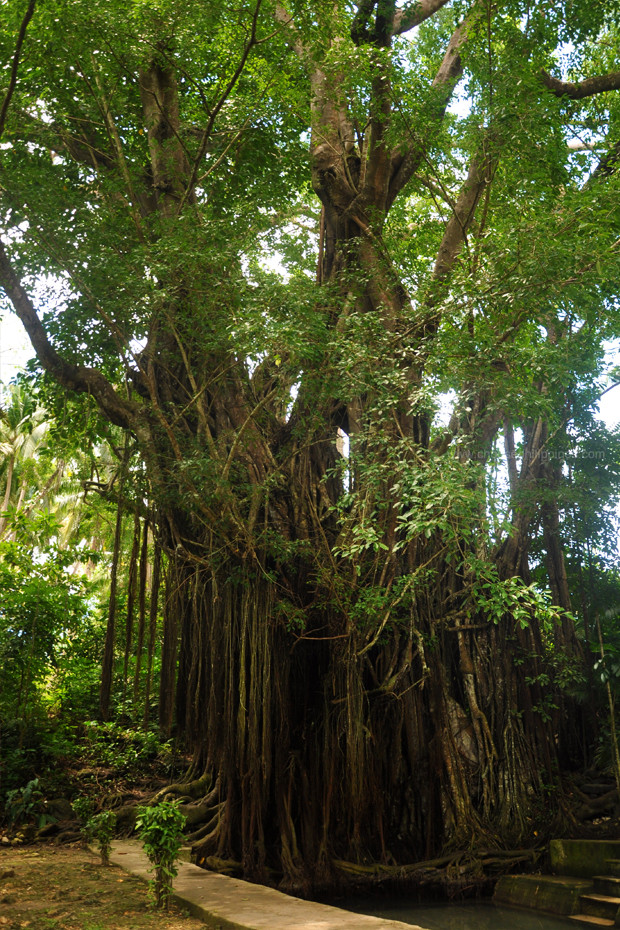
230	904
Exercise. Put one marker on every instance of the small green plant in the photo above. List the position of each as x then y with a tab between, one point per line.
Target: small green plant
83	810
24	804
101	827
161	830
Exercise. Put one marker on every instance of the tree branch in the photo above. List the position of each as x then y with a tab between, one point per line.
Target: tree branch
480	174
599	84
359	26
204	143
74	377
15	65
608	163
293	37
481	170
415	13
83	148
405	163
81	143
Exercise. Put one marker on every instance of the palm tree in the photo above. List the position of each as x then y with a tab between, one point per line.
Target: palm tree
23	429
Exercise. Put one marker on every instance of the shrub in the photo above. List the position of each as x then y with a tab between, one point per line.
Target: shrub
101	827
23	803
161	830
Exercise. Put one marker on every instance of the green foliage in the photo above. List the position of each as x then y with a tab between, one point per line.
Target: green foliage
24	804
499	599
83	808
606	666
43	613
101	828
161	830
569	674
121	748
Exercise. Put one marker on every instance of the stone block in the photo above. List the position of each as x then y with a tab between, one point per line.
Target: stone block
553	894
582	858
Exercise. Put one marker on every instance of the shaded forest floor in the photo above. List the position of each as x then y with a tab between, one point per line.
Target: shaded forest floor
46	887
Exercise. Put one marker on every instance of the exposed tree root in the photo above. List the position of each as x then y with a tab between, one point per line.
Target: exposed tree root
193	789
224	866
206	828
593	807
126	817
443	870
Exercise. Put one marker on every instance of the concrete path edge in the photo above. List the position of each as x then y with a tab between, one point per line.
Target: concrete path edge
225	903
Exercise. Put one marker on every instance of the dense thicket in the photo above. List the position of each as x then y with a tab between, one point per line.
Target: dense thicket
270	241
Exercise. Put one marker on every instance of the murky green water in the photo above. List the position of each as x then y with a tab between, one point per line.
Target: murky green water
473	916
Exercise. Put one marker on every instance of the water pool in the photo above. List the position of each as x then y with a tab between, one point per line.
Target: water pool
474	916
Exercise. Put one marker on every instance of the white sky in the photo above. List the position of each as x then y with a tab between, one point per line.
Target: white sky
610	407
610	402
15	349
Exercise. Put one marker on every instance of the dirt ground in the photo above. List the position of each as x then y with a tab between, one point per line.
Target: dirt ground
49	887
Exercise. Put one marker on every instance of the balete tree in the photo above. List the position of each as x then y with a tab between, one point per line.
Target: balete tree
353	646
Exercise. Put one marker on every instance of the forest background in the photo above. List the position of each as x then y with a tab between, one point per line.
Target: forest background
257	250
